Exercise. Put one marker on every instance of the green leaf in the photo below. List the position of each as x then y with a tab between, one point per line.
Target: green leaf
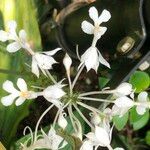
138	121
140	81
102	82
120	122
147	138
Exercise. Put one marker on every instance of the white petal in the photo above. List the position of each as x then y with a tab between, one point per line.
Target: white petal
23	35
141	110
142	97
22	84
67	61
8	100
119	148
104	17
52	52
9	87
13	47
3	36
124	89
124	102
90	59
87	145
87	27
34	67
93	13
12	25
102	136
103	61
19	101
44	61
62	122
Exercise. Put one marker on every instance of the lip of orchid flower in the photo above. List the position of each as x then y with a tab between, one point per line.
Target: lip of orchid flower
19	95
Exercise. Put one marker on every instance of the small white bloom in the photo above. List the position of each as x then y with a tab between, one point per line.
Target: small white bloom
142	103
91	59
67	61
43	61
96	29
95	119
62	122
124	89
87	145
19	41
54	93
19	95
122	105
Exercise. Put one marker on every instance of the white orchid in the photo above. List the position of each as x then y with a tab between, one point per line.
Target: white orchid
96	29
122	105
43	61
99	138
19	95
19	41
142	103
91	59
54	93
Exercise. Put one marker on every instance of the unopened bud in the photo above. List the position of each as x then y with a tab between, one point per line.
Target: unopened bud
62	122
95	119
67	61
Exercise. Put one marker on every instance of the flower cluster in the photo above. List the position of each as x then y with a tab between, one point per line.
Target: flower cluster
122	98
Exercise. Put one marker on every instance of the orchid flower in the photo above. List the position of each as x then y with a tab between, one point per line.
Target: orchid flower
19	41
19	95
92	57
43	61
54	93
96	29
142	103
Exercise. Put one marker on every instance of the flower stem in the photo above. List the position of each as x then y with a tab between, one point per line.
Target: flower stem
37	125
56	117
83	117
97	92
77	76
95	99
51	77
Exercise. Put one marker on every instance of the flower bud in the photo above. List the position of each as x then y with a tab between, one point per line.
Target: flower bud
67	61
95	119
62	122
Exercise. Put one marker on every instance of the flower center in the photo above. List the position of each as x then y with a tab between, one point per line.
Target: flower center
24	94
72	98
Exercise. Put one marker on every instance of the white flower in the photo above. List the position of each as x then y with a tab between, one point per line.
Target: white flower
54	93
91	59
19	95
124	89
62	122
43	61
142	103
96	29
19	41
122	105
99	138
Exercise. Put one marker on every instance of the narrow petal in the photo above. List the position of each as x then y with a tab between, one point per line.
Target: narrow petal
52	52
87	27
3	36
22	84
142	97
9	87
12	25
93	13
102	136
19	101
23	35
102	60
8	100
104	17
34	67
13	47
140	110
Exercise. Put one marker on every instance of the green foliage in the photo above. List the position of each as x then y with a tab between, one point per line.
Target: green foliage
147	138
120	122
140	81
102	81
138	121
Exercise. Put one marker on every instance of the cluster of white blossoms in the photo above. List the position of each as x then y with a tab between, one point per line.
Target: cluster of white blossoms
122	99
